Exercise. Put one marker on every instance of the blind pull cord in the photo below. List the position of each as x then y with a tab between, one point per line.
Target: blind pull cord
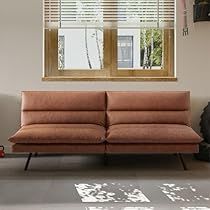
185	30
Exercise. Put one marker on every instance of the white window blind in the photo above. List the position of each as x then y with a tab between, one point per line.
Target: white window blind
109	13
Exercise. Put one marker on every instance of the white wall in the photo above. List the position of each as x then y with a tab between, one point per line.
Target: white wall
21	63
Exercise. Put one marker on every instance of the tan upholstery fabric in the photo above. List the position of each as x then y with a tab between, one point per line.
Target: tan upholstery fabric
59	133
63	100
76	122
149	101
148	117
63	117
60	148
40	107
151	133
148	107
110	148
151	148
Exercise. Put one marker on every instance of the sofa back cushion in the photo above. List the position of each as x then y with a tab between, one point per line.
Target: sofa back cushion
49	107
172	107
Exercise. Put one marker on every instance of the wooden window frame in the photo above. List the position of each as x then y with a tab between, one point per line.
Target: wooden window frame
110	70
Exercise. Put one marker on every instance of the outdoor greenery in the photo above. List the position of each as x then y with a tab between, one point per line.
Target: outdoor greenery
151	48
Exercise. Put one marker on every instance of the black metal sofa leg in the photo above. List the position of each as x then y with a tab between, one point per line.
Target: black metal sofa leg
182	161
28	161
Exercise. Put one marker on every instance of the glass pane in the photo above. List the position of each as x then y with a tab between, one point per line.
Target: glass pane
80	49
125	51
140	49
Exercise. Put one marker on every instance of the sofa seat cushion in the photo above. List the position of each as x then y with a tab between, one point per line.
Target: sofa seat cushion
152	133
59	133
60	148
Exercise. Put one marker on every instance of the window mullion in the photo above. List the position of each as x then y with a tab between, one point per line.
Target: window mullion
113	50
51	52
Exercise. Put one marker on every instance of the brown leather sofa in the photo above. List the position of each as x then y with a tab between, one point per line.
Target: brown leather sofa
105	123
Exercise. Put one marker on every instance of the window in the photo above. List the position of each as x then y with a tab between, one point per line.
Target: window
61	52
125	51
83	48
109	40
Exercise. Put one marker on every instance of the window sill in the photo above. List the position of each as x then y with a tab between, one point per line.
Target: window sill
62	78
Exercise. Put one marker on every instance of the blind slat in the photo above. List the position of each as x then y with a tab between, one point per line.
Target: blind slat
109	13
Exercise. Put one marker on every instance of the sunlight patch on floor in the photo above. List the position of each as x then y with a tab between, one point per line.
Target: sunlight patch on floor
112	192
184	192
